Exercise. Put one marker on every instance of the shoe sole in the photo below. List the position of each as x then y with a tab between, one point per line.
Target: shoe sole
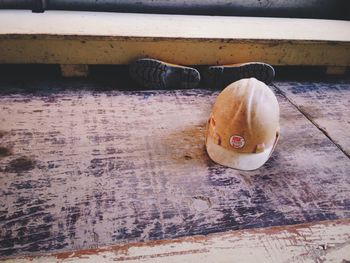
219	77
155	74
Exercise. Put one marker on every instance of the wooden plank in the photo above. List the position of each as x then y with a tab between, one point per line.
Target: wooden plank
326	104
88	50
61	37
72	23
88	169
317	242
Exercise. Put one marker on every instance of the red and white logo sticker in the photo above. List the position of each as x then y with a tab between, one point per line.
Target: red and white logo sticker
237	141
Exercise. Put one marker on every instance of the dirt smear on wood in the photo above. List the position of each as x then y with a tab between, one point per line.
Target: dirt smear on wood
20	164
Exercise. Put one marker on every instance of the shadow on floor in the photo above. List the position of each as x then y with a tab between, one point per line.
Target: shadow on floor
33	78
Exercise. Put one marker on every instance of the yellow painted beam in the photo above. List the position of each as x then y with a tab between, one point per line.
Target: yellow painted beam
105	38
84	50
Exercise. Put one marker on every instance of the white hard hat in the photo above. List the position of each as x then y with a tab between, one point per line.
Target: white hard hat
243	127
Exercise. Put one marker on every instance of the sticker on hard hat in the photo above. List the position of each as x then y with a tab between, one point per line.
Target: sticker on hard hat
237	141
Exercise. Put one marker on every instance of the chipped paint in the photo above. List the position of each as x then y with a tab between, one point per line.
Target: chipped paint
327	105
113	167
55	50
105	38
316	242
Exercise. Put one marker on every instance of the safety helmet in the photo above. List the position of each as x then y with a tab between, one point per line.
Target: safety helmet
243	127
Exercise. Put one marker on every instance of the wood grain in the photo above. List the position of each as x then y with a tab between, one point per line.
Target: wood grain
88	169
66	37
82	23
327	241
326	104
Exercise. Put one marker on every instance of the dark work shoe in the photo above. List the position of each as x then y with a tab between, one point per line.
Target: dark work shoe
219	77
156	74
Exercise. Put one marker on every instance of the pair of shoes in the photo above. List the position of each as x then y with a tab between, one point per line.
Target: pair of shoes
156	74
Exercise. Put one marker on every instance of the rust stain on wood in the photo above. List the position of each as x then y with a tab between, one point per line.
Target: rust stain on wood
315	242
121	250
289	231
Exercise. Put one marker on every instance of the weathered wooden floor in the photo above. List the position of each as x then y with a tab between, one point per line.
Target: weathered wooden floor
83	169
326	241
327	105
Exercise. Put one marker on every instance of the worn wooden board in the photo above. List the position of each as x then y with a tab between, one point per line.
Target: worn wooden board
68	37
75	23
327	241
82	169
326	104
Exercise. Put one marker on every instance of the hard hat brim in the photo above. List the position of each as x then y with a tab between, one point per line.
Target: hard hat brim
240	161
